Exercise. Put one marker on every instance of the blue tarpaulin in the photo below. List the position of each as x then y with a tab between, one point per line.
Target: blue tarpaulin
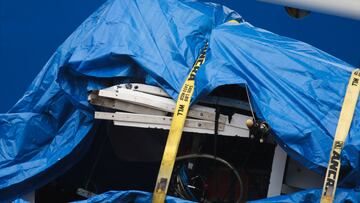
306	196
128	197
295	87
314	195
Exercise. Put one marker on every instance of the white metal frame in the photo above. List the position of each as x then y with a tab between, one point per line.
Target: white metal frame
222	101
145	106
163	122
148	106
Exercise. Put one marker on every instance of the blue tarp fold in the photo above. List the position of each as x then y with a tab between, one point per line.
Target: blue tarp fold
313	196
131	196
295	87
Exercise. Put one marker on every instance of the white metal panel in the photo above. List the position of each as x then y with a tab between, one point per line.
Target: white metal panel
298	176
163	122
160	103
122	106
152	119
228	131
238	120
277	172
149	89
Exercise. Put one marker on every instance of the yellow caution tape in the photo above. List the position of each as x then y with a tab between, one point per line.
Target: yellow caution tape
176	128
342	130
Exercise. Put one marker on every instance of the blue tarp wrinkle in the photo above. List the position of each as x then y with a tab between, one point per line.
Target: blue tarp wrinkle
313	196
157	42
132	196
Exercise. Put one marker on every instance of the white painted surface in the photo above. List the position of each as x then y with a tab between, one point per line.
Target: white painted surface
277	172
164	122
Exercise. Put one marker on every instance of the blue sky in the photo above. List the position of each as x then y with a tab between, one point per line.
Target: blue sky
30	31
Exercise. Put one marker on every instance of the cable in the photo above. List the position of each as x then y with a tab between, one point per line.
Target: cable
207	156
184	178
216	131
217	116
251	108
